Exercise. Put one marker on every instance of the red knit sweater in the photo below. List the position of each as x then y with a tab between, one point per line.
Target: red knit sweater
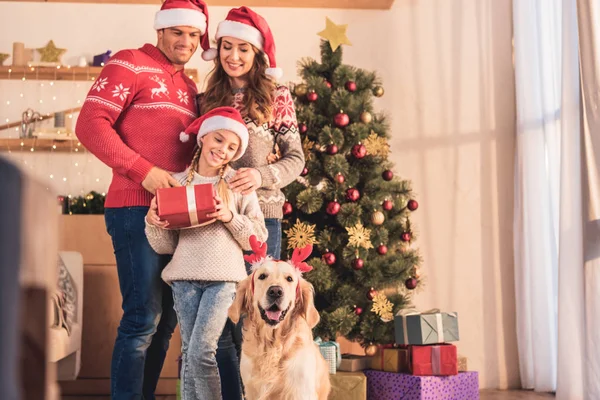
132	118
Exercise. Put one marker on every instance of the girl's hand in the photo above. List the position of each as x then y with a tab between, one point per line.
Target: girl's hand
222	213
245	180
152	216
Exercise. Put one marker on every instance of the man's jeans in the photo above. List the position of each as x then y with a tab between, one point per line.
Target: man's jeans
148	316
202	312
230	342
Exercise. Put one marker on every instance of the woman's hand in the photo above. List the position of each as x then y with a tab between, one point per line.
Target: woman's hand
245	180
152	216
222	213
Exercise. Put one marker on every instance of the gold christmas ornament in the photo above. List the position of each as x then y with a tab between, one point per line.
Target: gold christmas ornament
3	57
359	236
371	350
382	307
301	90
378	91
377	218
300	235
366	117
377	145
51	53
416	272
307	146
335	34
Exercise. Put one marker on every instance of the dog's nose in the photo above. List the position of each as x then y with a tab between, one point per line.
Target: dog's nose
275	292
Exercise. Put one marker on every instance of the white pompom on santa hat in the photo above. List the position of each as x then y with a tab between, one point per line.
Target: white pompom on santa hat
192	13
244	24
227	118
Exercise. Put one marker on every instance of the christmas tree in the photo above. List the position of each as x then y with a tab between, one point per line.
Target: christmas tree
348	202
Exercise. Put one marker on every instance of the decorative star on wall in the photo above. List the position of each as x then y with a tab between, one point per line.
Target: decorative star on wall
51	53
3	57
335	34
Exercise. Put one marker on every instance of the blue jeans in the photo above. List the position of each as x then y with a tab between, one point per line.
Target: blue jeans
202	313
148	319
230	342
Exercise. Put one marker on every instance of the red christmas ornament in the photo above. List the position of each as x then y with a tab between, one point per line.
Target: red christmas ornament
340	178
333	208
359	151
371	294
328	84
304	172
358	264
382	249
412	205
411	283
358	310
328	258
332	149
351	86
312	96
406	236
387	205
387	175
352	194
287	208
341	120
303	128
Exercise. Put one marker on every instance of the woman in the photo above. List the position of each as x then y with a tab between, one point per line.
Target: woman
244	67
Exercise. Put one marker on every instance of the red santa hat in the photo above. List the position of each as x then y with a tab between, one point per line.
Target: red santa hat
192	13
244	24
227	118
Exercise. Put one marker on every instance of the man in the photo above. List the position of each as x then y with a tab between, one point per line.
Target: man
131	120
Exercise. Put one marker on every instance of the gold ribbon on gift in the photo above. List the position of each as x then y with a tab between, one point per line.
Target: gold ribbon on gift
191	204
438	321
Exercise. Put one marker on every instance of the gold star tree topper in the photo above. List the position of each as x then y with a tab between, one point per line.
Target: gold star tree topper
335	34
51	53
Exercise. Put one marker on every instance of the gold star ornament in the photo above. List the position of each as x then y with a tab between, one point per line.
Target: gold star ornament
335	34
51	53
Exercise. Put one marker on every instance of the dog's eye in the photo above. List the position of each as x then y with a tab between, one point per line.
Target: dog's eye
262	277
290	279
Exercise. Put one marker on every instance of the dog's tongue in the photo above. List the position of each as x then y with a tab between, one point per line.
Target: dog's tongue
273	315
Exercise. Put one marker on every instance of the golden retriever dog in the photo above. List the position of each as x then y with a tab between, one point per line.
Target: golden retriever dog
279	359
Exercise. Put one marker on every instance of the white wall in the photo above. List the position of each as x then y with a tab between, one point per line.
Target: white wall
447	72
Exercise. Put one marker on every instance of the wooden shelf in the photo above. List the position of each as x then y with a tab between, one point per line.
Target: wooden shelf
346	4
46	145
64	73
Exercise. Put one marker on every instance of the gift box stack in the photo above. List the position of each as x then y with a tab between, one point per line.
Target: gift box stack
422	364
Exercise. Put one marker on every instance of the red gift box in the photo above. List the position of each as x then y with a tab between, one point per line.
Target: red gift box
437	359
186	206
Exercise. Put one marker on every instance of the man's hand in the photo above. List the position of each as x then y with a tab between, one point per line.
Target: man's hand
158	178
245	180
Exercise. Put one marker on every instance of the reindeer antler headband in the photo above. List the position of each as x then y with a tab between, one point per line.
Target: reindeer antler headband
260	254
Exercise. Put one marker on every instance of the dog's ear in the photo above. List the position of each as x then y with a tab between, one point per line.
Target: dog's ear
242	302
307	303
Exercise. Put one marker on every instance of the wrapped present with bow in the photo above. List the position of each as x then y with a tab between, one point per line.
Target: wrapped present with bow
431	360
390	359
331	352
427	327
186	206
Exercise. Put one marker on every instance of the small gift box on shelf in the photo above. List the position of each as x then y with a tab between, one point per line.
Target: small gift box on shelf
348	386
428	327
353	363
437	359
186	206
383	385
390	359
331	352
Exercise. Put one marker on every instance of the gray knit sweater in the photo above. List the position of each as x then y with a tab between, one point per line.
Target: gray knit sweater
282	130
212	252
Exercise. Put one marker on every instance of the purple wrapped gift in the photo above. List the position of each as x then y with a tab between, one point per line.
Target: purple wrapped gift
101	59
393	386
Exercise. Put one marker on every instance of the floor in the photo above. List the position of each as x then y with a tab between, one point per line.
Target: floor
485	395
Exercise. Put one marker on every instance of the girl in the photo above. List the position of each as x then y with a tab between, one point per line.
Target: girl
208	260
244	65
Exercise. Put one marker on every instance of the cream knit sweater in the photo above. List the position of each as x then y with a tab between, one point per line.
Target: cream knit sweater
212	252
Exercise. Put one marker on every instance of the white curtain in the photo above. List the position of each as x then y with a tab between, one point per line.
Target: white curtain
557	196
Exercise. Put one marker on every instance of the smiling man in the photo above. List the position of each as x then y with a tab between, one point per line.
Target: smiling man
131	120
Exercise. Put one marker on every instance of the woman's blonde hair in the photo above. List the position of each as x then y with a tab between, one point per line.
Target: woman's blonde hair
259	99
222	188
